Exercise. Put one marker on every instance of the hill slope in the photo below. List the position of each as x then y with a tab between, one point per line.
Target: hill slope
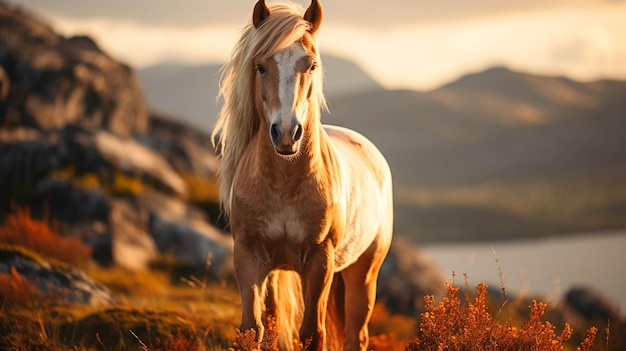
456	152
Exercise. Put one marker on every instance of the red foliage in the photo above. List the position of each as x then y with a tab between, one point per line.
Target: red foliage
19	228
183	340
15	289
452	326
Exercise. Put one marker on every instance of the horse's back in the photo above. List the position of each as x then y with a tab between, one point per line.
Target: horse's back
368	193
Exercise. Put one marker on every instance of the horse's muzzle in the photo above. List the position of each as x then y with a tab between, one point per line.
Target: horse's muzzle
286	141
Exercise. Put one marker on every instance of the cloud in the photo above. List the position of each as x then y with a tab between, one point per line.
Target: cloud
183	14
538	36
372	14
142	46
581	43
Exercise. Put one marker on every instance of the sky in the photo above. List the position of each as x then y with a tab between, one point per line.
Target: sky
403	44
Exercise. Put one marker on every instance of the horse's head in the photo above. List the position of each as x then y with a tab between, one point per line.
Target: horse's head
285	83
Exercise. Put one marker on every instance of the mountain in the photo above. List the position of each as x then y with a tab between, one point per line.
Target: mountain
189	92
492	125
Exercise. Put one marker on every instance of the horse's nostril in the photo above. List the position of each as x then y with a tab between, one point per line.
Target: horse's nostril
297	133
274	133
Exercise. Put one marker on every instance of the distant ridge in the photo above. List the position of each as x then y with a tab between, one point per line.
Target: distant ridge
189	92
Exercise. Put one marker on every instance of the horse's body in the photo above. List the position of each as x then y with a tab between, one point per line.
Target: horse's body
310	206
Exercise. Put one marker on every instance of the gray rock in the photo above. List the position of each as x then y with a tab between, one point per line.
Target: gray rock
181	230
406	276
193	244
29	153
48	81
593	305
132	157
131	245
188	150
59	282
72	204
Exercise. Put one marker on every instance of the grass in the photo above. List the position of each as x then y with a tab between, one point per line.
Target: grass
159	313
156	314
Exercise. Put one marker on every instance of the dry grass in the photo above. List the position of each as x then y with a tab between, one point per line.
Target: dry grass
170	316
164	318
186	318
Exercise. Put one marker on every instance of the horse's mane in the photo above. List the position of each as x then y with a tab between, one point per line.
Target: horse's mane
238	120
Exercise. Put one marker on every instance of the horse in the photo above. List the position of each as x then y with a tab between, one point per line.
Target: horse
309	205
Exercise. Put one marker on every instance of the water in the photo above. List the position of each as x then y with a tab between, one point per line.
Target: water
546	267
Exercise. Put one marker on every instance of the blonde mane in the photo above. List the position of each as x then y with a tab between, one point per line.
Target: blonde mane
238	120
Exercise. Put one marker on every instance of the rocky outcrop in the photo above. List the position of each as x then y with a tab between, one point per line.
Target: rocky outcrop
406	276
72	204
29	153
48	81
76	140
186	149
184	232
55	281
593	305
131	157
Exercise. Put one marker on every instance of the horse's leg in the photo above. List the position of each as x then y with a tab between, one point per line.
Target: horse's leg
335	315
317	277
251	275
360	296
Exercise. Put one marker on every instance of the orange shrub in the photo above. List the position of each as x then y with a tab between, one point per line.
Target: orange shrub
15	289
453	326
20	229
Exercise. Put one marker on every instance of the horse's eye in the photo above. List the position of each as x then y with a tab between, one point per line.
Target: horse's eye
260	68
313	66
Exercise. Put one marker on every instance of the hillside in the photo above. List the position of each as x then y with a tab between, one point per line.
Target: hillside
489	135
473	129
109	228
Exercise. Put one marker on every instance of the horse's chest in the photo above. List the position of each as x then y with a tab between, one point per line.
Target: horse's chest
286	223
278	216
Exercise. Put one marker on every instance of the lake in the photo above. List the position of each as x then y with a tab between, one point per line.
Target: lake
546	267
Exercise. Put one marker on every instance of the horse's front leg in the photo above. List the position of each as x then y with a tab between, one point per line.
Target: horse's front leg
251	274
360	295
317	277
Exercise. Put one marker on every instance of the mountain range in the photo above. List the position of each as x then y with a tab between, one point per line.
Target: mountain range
498	130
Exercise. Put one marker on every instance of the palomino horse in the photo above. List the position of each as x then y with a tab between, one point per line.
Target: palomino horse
310	206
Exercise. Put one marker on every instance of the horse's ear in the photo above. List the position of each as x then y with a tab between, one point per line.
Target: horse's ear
261	12
314	15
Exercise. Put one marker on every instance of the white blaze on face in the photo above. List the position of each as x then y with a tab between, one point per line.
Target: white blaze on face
287	63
